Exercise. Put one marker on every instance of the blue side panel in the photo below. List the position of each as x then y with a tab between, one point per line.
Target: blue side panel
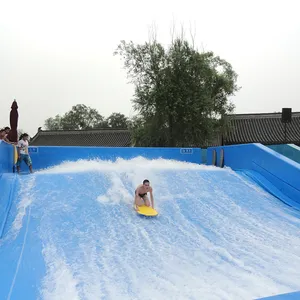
289	150
6	157
7	184
288	296
268	186
279	170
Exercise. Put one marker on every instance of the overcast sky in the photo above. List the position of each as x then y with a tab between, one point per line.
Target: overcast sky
59	53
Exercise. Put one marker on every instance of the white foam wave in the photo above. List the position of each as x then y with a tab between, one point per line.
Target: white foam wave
26	194
117	191
121	165
123	183
135	170
59	284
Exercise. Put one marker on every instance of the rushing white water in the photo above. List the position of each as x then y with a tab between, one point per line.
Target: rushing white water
26	199
217	235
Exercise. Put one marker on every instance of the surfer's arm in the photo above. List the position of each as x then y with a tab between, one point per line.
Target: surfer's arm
152	199
136	207
135	197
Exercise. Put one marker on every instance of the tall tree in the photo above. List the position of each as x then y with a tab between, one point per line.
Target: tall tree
117	120
180	93
53	123
81	117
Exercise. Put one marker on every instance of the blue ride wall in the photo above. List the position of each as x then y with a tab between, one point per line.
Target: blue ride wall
6	157
6	181
44	157
265	166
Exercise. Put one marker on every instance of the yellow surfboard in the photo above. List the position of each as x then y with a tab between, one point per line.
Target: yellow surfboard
147	211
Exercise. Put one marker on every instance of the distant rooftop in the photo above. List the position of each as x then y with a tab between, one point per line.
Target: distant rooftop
261	115
264	128
94	137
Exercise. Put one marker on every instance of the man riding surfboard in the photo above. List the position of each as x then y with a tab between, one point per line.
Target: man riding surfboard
141	197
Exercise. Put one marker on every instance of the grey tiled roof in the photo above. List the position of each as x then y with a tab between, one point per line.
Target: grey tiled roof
245	128
262	128
103	137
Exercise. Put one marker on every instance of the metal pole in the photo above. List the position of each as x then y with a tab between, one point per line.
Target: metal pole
285	132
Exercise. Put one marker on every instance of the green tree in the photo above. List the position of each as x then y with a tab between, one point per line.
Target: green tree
180	93
142	130
53	123
83	117
79	117
117	120
102	124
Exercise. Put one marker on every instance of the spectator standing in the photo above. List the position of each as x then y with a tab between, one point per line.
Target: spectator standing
23	155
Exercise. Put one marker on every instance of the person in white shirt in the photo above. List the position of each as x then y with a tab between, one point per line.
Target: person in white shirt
22	149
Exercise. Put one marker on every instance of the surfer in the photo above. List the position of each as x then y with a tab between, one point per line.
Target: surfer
22	149
141	195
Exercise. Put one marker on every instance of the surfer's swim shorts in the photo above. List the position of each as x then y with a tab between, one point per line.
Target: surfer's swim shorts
26	159
141	195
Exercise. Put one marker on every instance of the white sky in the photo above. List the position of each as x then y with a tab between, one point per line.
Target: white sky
59	53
